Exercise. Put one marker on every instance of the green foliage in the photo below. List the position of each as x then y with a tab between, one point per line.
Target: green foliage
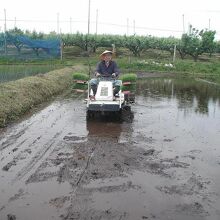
166	44
196	43
217	47
11	38
91	42
80	76
81	41
208	43
129	77
131	87
192	44
135	44
80	86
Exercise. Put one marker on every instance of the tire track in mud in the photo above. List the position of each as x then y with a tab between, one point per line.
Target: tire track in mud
10	140
86	167
111	161
38	157
106	160
21	154
14	154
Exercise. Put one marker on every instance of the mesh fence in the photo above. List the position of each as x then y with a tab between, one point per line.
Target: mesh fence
24	48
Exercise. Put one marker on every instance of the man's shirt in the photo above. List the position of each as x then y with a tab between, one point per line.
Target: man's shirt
107	70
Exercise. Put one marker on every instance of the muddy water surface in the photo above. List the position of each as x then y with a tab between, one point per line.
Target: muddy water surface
161	162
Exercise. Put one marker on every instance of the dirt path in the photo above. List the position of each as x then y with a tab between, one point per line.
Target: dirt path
55	165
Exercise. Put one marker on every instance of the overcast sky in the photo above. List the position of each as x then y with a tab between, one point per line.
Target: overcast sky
143	17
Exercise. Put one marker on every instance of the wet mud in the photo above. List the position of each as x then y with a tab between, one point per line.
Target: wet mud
160	161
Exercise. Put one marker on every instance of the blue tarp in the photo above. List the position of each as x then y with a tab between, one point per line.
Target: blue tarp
51	46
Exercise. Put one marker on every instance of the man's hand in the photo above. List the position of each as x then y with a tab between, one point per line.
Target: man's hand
113	75
97	74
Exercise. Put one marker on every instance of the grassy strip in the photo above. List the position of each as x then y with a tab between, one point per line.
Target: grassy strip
17	97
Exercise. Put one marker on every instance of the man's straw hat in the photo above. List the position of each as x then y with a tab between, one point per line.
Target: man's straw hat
105	52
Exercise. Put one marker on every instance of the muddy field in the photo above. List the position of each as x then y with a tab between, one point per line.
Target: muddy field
161	162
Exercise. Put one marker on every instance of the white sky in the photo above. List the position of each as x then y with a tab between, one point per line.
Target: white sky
151	17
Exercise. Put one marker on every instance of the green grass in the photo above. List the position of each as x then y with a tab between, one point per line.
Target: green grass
17	97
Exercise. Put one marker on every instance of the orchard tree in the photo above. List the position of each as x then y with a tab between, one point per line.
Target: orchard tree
208	43
135	44
217	47
34	35
191	44
80	40
12	38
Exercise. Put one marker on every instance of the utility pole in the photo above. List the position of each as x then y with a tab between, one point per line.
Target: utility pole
15	24
127	26
58	23
70	25
59	36
89	18
96	26
183	24
134	26
5	29
209	23
5	26
190	28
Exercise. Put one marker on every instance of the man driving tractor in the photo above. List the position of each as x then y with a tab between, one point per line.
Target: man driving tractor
106	68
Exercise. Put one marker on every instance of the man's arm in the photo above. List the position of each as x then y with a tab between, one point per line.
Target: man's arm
116	69
98	70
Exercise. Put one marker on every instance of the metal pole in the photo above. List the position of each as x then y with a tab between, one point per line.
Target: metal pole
89	18
15	22
209	23
190	28
183	24
5	29
70	25
58	23
134	25
127	26
96	27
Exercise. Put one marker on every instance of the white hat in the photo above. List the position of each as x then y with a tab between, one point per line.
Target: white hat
105	52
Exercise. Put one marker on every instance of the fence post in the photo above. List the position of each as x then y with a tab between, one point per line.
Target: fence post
61	50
